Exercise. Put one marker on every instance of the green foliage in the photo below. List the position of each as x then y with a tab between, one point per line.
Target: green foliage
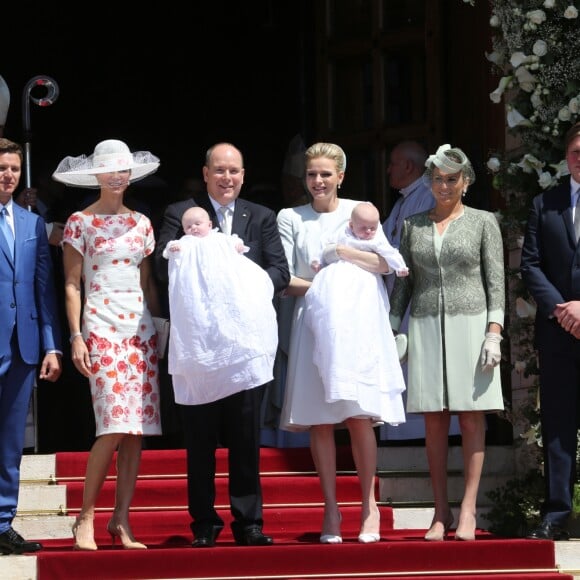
535	46
516	505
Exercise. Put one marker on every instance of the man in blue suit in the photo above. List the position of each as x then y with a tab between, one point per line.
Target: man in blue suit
29	323
550	268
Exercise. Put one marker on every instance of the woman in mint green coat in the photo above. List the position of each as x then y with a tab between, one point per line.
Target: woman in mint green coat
456	289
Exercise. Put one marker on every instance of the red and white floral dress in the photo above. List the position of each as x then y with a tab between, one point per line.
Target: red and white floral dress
116	324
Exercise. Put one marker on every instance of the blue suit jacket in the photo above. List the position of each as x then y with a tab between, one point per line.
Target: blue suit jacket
27	293
550	264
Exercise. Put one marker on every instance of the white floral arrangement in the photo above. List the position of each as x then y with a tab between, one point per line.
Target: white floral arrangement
536	47
535	50
536	44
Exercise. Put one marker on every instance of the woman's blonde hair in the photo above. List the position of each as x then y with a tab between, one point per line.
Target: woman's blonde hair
329	151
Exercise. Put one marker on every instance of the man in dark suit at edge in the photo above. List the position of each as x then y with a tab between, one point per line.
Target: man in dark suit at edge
550	268
233	421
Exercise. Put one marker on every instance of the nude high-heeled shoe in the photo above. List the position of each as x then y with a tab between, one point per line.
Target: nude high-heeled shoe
466	529
439	530
83	534
127	540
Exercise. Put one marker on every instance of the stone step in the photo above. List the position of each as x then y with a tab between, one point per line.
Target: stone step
403	489
498	459
18	568
41	498
41	527
42	506
44	527
403	478
403	475
567	554
568	557
38	469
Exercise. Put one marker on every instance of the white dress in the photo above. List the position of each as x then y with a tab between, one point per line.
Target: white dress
347	309
224	334
117	326
304	234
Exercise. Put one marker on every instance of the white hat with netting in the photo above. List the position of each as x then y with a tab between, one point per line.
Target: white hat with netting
108	157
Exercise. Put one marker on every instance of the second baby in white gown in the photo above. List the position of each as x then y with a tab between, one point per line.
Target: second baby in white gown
347	309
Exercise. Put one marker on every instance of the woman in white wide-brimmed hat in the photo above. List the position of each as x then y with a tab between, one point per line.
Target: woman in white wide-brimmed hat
113	339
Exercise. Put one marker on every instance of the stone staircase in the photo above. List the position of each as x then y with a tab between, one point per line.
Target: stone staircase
41	513
403	483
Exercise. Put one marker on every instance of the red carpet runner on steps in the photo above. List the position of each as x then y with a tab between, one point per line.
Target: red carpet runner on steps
292	514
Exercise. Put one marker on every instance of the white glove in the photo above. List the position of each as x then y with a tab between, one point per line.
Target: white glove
491	351
401	344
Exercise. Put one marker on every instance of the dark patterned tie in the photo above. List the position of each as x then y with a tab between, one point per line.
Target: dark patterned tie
7	231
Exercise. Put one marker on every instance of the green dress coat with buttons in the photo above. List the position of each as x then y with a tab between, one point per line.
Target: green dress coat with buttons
455	288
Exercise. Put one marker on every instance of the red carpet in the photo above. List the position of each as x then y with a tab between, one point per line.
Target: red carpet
292	514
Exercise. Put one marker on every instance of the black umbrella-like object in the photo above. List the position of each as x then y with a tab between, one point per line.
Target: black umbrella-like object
51	94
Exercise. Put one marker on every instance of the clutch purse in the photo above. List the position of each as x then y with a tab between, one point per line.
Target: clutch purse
162	328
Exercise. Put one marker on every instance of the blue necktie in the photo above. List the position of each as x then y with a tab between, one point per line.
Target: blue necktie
8	234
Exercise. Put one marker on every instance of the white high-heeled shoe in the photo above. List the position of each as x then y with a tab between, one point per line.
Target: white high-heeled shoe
330	539
369	538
